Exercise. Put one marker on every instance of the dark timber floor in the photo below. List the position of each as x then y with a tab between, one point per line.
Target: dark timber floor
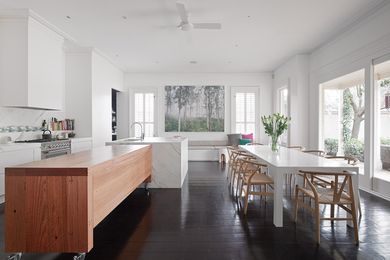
202	221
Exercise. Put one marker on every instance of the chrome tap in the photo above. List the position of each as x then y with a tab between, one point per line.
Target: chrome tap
142	132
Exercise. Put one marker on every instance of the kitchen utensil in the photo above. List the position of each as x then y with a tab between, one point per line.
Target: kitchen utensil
46	136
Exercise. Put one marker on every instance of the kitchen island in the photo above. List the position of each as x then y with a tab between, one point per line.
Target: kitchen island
53	205
169	159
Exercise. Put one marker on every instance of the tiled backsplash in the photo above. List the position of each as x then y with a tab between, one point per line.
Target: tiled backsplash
25	117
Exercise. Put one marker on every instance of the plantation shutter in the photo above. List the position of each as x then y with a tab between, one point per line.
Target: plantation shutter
245	103
144	113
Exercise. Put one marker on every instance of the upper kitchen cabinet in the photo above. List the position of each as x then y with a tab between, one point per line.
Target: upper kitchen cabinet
31	62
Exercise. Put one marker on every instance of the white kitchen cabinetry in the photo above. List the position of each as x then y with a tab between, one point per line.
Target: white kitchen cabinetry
81	144
15	157
32	63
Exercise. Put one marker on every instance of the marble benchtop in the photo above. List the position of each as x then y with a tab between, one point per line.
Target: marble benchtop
150	140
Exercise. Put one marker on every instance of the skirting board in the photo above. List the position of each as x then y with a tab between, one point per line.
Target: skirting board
375	194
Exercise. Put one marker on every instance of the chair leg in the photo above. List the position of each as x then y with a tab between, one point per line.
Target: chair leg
354	220
241	188
318	224
238	183
260	190
296	205
233	178
246	199
332	212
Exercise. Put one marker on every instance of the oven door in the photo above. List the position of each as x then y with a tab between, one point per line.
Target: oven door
54	153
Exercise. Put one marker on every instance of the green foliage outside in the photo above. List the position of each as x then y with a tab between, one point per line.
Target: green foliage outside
354	148
385	83
385	141
347	115
331	146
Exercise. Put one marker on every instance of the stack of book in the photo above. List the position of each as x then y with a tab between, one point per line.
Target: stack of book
62	125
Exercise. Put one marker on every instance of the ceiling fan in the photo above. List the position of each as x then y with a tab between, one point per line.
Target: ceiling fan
186	25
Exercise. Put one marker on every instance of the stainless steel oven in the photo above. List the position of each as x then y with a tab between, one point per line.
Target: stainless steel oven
55	148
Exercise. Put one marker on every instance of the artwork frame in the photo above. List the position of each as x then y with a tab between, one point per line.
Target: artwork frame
194	108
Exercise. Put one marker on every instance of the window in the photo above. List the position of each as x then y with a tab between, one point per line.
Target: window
382	122
284	110
144	112
244	112
342	116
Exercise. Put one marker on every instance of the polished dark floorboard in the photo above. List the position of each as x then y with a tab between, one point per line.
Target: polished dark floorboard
203	221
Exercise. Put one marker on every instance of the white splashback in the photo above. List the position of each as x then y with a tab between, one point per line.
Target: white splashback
25	117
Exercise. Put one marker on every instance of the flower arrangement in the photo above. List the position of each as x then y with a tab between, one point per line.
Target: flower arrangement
275	125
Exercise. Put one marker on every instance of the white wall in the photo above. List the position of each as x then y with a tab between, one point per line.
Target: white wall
295	75
89	80
158	80
13	60
78	92
105	76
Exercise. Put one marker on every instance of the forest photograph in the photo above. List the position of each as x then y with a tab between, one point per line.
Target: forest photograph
194	108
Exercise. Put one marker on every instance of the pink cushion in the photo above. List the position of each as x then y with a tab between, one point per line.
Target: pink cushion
247	136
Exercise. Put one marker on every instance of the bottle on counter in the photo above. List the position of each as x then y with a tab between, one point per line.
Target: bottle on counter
44	124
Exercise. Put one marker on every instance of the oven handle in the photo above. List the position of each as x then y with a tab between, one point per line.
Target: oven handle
54	152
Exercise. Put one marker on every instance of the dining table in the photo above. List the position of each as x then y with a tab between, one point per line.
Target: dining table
290	161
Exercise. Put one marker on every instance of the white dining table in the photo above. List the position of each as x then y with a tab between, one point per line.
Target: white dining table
290	161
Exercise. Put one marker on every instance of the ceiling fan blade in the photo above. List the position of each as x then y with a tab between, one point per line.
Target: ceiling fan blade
213	26
181	8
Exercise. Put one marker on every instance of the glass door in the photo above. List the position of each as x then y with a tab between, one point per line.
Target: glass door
381	180
283	108
342	117
143	112
245	110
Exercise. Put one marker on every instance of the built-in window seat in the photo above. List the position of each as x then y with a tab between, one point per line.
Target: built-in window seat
206	150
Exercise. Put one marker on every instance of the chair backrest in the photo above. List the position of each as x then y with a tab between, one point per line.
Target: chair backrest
297	147
238	154
252	167
342	183
315	152
350	160
230	150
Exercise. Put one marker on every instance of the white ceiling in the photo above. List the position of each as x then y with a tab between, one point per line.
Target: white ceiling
256	35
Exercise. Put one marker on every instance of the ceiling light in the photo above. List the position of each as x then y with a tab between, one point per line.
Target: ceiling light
193	62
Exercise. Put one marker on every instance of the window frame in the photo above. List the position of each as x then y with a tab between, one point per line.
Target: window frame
256	91
279	108
145	90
